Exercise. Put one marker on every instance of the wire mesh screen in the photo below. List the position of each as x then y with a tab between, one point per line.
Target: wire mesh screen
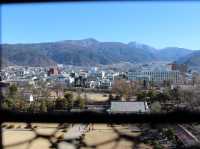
72	136
96	130
90	136
91	94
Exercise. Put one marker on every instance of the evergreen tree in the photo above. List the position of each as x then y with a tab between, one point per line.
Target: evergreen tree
43	106
68	100
12	91
81	102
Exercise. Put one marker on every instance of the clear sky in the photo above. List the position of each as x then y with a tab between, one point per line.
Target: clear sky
159	24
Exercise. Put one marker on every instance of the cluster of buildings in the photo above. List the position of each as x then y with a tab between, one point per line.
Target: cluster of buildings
89	78
94	77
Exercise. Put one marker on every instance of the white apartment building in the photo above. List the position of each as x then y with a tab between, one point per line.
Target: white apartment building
156	76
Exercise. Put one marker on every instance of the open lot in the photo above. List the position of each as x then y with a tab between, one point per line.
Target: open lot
97	97
18	136
102	135
105	137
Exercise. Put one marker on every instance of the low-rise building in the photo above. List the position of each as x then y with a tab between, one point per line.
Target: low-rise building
28	96
128	107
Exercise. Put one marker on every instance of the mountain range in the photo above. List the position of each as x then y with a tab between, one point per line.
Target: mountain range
192	60
87	52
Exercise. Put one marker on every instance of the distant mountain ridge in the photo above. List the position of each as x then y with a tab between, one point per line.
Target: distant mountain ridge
192	60
86	52
172	53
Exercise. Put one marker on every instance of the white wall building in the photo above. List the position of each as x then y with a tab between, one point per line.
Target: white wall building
156	76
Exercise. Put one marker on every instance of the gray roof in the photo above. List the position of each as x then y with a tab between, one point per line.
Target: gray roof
119	107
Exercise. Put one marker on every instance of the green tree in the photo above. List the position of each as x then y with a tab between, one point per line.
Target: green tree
81	102
156	106
141	96
43	106
175	95
170	133
160	97
50	105
110	97
19	104
34	106
60	103
150	95
85	97
26	107
118	97
68	100
8	103
157	145
166	83
152	84
12	91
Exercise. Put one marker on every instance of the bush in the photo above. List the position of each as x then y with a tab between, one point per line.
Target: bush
170	133
148	141
157	145
156	107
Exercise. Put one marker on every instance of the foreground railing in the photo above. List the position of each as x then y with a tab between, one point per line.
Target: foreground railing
180	116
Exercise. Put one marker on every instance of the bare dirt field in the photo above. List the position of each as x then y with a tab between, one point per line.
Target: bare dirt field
104	137
98	97
100	136
18	136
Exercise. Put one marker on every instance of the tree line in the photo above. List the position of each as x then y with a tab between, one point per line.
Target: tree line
13	100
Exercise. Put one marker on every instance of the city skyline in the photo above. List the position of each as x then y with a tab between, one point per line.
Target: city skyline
158	24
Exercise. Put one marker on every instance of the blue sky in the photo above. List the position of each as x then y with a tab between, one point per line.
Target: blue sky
159	24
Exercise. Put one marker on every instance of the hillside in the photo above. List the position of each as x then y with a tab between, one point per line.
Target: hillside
192	60
172	53
85	52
